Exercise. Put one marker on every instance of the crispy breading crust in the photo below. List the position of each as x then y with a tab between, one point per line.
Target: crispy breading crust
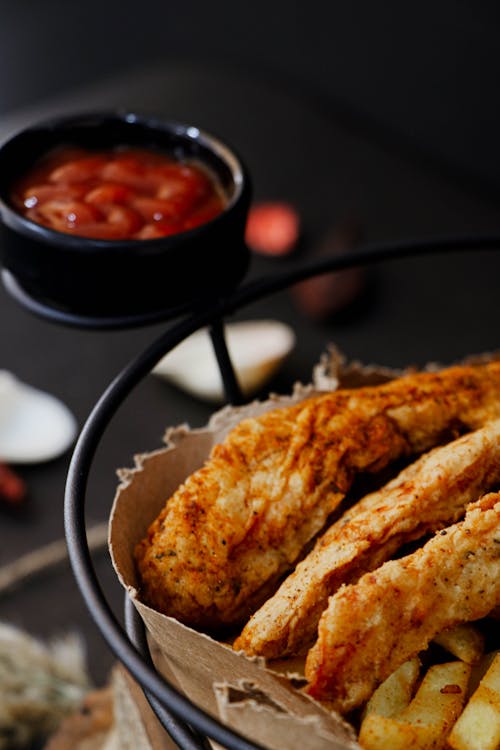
234	527
430	493
370	628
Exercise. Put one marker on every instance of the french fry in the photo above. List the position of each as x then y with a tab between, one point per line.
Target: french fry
464	641
389	733
395	693
427	720
479	670
478	728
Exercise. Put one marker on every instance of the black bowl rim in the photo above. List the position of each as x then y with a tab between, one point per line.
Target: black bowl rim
38	232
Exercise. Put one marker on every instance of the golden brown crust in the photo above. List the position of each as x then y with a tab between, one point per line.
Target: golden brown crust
430	493
236	525
370	628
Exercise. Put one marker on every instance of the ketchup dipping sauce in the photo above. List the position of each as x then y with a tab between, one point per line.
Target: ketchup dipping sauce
118	194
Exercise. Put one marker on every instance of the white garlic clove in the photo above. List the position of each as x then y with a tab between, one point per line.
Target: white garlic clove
34	426
257	349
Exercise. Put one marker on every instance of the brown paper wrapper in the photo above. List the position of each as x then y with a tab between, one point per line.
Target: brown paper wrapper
243	693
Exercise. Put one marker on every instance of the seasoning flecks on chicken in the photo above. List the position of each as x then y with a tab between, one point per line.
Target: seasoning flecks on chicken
224	538
371	627
430	493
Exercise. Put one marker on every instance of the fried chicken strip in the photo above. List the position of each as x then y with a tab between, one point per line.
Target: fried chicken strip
236	525
370	628
430	493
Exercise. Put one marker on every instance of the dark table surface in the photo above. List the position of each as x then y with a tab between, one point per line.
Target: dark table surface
435	308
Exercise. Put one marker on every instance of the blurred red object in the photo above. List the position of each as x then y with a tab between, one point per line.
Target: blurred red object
322	296
272	228
12	487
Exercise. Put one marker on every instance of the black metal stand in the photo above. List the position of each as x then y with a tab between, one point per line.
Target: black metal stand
186	723
66	317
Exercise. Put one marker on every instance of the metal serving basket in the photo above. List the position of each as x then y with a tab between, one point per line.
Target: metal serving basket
189	726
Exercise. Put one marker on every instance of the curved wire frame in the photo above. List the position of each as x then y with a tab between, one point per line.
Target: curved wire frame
187	724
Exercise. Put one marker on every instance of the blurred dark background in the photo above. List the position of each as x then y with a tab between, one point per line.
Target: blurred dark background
424	73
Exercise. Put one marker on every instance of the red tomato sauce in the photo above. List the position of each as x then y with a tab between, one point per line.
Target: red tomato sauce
120	194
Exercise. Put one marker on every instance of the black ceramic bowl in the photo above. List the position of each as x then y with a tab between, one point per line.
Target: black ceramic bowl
119	277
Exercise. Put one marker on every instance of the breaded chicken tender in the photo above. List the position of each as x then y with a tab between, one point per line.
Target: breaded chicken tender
371	627
220	545
430	493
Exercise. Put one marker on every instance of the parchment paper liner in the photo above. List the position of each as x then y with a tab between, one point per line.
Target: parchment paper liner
242	692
